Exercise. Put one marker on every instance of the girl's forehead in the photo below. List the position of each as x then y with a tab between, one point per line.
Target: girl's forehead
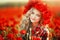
34	10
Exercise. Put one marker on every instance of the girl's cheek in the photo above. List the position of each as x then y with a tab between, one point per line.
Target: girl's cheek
37	19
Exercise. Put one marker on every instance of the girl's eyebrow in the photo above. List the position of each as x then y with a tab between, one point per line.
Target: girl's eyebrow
38	15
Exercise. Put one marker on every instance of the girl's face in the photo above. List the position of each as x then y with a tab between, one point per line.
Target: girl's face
35	15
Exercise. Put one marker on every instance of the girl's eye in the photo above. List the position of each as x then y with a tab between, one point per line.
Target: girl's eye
38	15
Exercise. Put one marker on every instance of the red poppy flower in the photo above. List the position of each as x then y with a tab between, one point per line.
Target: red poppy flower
15	31
19	38
14	38
51	25
3	33
57	31
12	19
1	38
2	28
46	21
36	38
33	32
14	23
6	23
10	36
37	28
57	22
23	31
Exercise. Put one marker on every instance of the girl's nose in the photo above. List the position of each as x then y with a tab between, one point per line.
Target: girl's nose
34	16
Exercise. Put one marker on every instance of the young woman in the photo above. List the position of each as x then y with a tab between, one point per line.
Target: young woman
33	21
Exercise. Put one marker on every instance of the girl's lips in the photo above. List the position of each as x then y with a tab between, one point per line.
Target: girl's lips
32	18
